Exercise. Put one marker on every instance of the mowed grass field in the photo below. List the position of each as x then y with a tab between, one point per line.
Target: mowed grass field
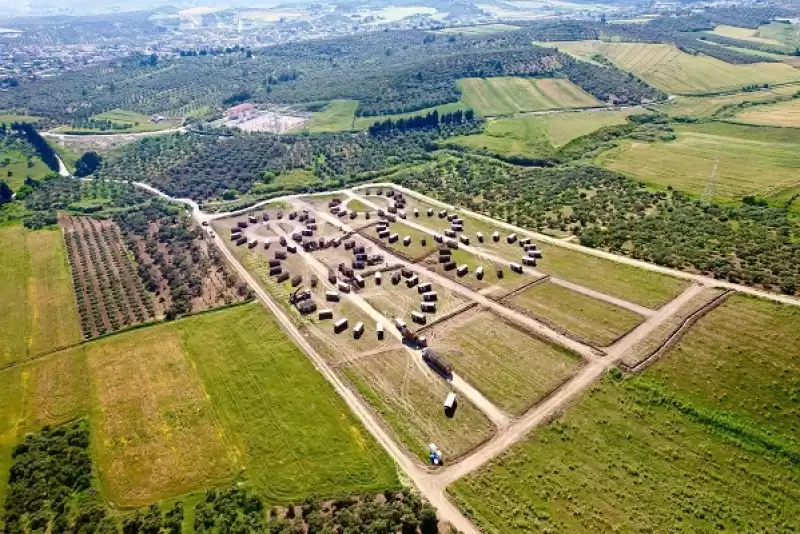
707	106
38	313
673	71
182	406
340	115
539	135
589	319
337	116
783	36
294	436
713	449
507	364
155	434
783	114
410	399
752	160
509	95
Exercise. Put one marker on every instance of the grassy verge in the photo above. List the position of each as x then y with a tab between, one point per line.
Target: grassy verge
594	320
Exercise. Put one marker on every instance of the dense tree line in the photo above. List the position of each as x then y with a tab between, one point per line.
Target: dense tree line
420	122
749	244
49	483
238	510
43	149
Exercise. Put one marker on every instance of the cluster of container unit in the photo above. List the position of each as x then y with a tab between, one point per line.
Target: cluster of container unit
452	237
424	289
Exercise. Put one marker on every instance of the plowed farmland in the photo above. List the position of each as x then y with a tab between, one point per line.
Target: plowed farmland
673	71
109	293
506	96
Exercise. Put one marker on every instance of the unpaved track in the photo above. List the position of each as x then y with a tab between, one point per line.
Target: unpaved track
447	511
481	253
495	414
539	328
556	402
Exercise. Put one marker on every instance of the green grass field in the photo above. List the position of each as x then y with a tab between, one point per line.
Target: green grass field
593	320
340	115
782	36
752	160
783	114
182	406
8	118
37	307
705	440
507	96
539	135
337	116
508	365
673	71
705	107
743	357
294	436
14	168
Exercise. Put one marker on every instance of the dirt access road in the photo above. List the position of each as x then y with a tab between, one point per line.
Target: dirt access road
479	252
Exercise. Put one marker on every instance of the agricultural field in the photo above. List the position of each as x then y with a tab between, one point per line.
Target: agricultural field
706	107
155	432
507	96
783	36
664	440
37	308
108	290
8	118
336	116
409	397
507	364
783	114
593	321
190	404
539	135
751	160
676	72
288	429
340	115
